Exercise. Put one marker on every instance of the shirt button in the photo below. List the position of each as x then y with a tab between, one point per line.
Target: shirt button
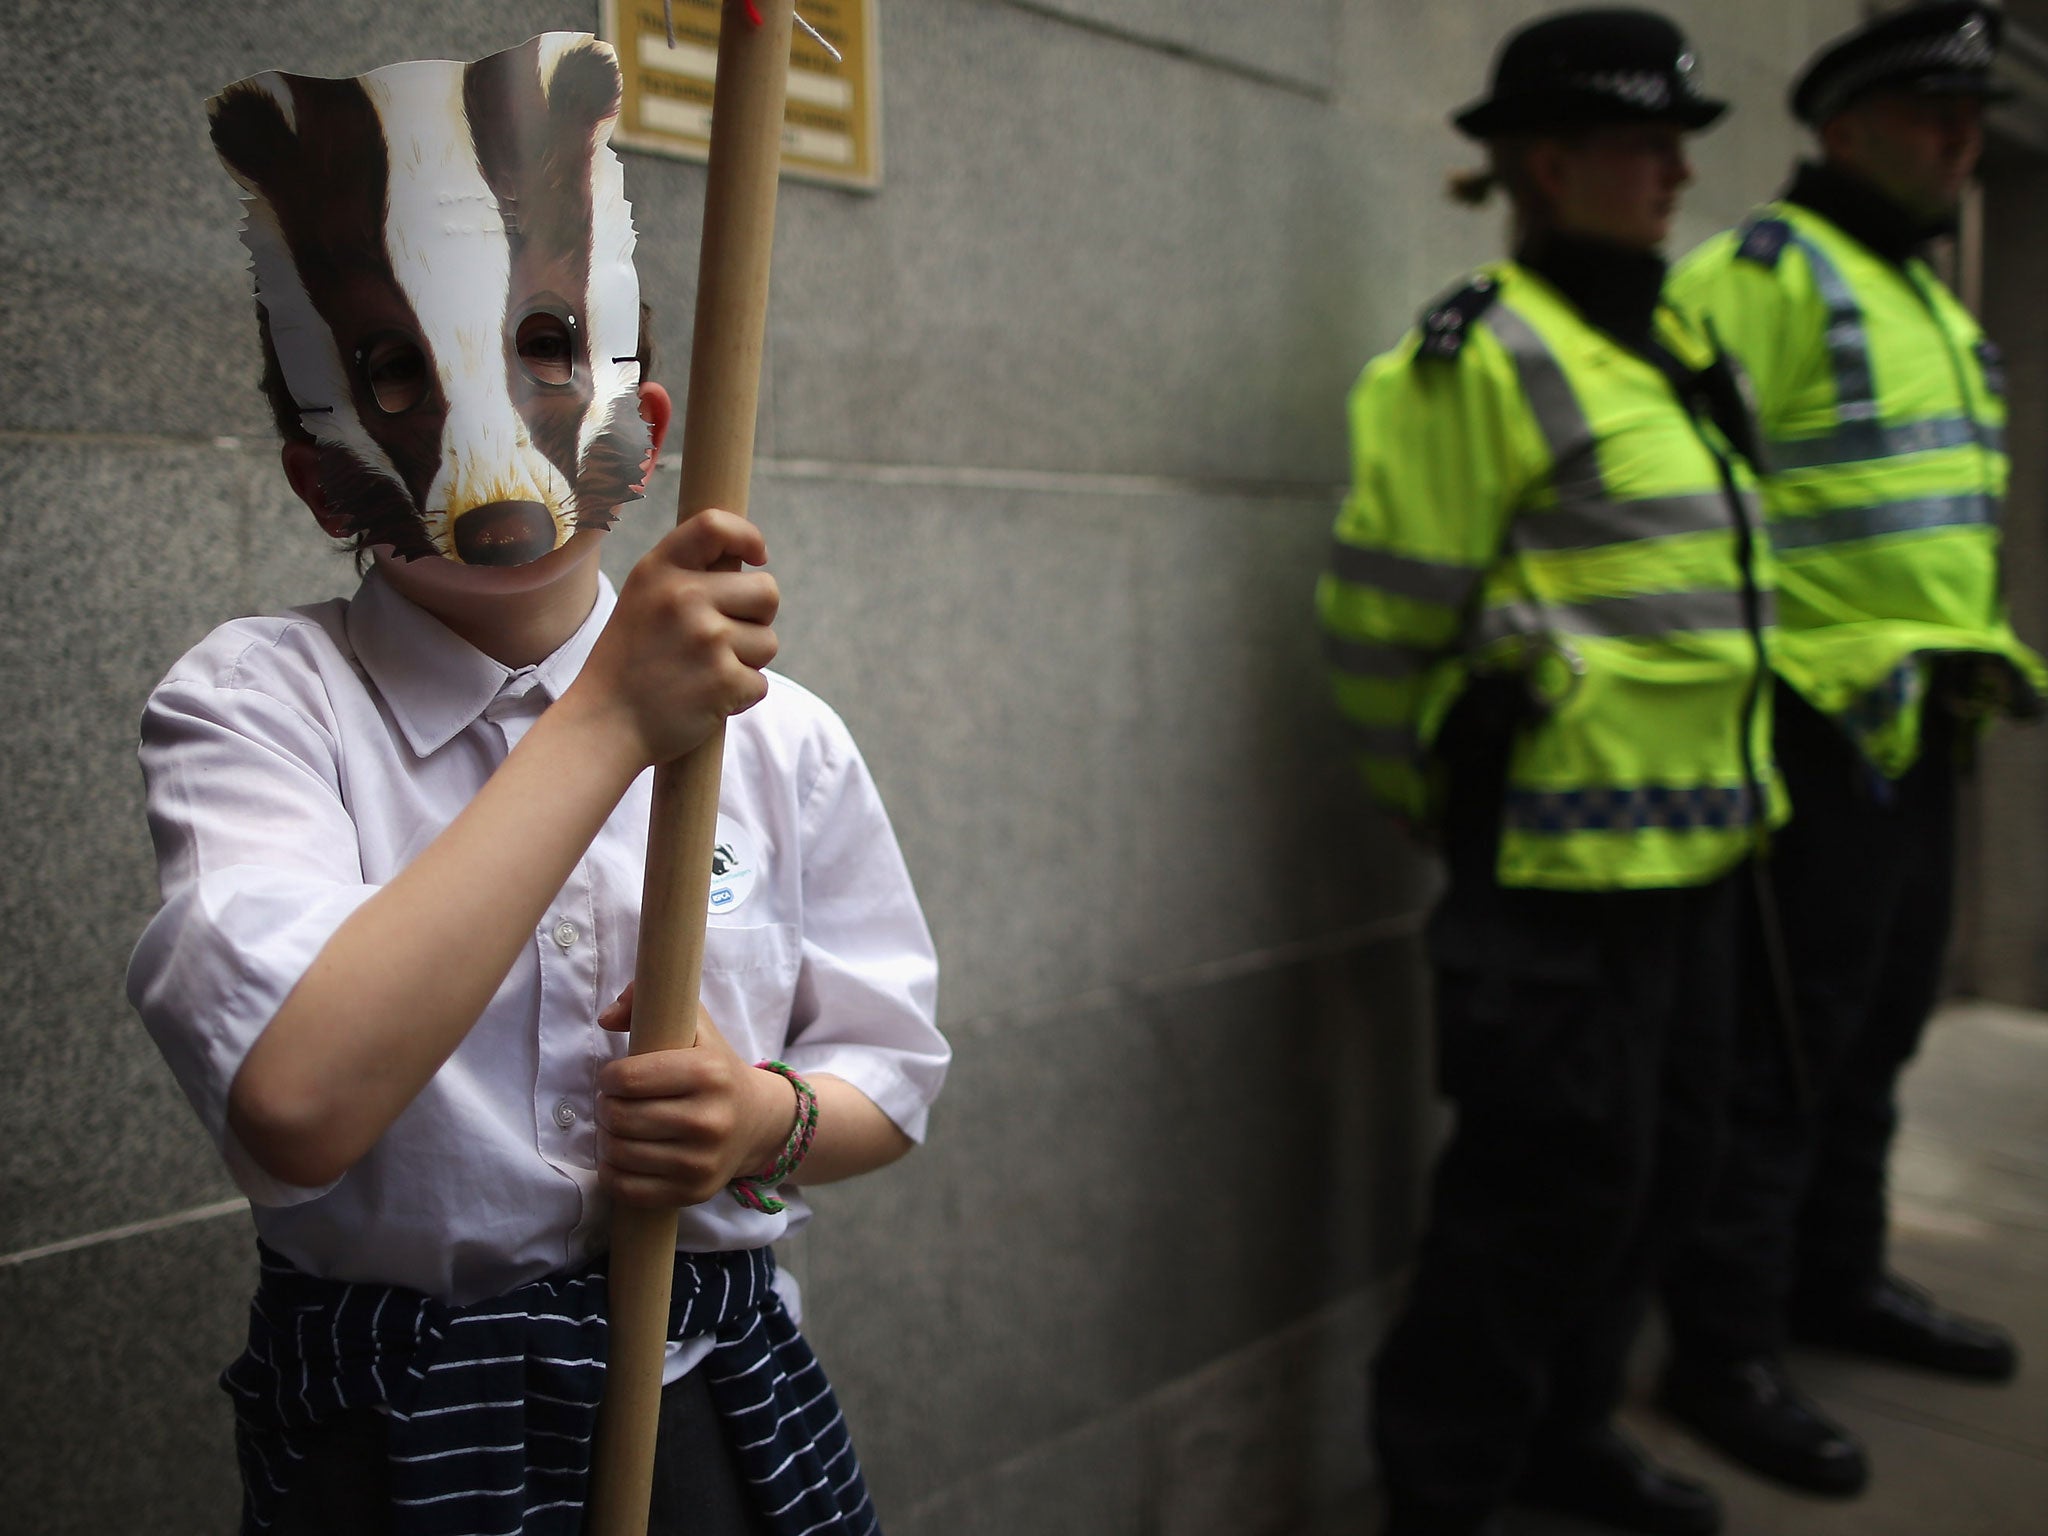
565	1114
566	935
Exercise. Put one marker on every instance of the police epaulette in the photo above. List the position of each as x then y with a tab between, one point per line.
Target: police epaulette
1447	322
1763	241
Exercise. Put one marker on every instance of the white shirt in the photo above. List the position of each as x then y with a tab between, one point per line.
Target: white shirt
296	763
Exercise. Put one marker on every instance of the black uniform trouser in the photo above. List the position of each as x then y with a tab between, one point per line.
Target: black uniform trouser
1863	879
1582	1039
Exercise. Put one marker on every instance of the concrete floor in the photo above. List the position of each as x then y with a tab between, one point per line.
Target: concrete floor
1970	1179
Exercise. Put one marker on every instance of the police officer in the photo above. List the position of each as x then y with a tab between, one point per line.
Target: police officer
1548	632
1881	403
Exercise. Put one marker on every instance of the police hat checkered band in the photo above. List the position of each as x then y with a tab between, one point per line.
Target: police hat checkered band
1968	50
1648	89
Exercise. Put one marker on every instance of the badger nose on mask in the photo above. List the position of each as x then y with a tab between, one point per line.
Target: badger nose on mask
504	533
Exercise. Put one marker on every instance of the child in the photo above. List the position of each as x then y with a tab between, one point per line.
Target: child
400	840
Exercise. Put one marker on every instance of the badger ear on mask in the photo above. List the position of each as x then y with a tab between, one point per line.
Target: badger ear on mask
457	322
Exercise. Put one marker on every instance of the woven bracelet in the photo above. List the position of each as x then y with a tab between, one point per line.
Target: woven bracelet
752	1190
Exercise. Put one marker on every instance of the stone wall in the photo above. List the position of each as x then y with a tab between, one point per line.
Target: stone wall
2002	937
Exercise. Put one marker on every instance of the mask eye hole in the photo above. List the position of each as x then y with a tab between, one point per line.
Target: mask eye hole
395	369
546	344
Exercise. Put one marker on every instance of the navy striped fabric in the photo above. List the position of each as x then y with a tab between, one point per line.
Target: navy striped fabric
493	1405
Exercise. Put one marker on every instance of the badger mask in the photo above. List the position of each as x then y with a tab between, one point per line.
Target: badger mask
444	266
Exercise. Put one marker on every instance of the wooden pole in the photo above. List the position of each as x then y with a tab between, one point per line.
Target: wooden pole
718	455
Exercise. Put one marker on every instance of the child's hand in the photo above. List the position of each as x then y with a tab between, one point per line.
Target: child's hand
675	1127
685	647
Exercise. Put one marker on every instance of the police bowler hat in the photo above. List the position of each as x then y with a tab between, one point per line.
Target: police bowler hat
1578	69
1935	50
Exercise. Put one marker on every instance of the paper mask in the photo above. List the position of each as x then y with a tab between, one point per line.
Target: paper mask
444	264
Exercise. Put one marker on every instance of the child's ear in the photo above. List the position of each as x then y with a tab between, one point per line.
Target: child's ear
302	469
657	410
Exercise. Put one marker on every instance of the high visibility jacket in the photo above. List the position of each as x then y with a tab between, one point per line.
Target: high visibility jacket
1882	407
1531	498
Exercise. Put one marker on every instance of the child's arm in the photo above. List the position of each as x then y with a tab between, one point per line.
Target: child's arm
390	997
677	1126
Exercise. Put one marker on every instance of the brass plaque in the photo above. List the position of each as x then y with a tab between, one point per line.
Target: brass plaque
832	124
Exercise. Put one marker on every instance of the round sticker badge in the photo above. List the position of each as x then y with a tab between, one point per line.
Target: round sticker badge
735	865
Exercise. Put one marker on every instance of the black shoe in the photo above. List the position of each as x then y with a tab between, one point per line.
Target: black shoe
1748	1410
1896	1320
1607	1478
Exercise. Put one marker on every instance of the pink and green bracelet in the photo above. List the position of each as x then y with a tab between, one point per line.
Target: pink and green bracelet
752	1190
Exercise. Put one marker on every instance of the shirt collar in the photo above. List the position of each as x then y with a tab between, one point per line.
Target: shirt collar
435	682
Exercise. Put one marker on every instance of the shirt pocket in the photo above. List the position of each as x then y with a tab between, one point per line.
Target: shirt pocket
750	984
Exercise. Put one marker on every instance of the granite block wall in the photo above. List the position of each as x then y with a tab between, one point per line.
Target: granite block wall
1051	438
2002	943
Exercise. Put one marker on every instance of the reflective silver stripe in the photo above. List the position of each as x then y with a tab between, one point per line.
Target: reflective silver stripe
1426	581
1575	464
1855	441
1369	658
1839	527
1398	742
1638	615
1848	345
1587	514
1587	525
1859	435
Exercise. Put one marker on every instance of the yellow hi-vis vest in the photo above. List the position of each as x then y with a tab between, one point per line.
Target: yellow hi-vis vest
1530	497
1882	408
